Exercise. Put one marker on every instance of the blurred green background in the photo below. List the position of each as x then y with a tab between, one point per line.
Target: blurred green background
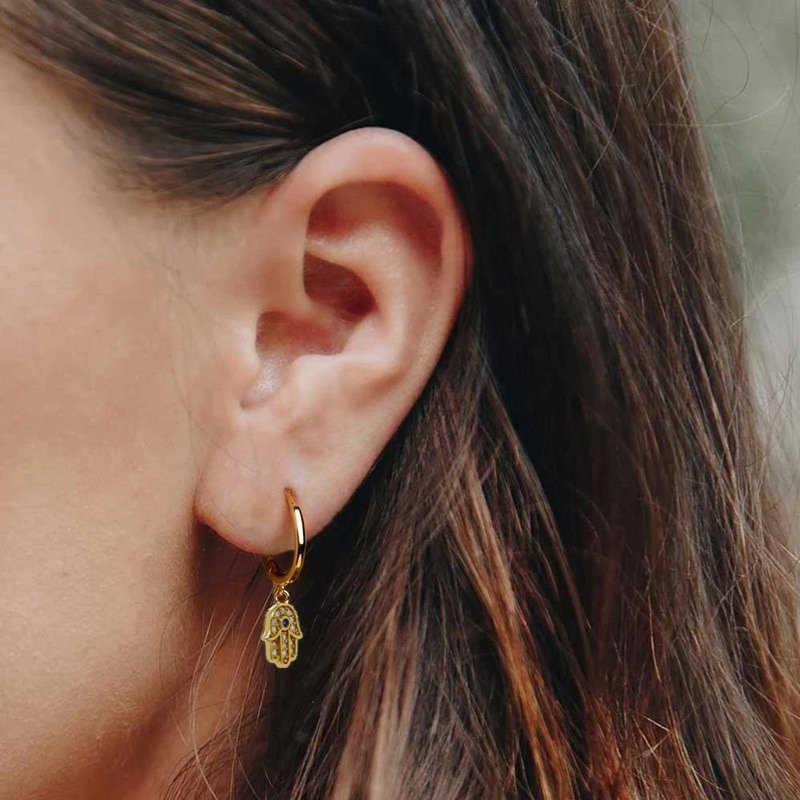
744	59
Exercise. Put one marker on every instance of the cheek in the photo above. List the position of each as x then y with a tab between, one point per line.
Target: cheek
96	475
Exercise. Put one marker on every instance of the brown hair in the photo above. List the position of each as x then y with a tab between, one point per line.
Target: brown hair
564	577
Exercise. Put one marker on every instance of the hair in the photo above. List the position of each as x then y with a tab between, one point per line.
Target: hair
565	576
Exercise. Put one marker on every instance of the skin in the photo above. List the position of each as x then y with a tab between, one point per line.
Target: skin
165	374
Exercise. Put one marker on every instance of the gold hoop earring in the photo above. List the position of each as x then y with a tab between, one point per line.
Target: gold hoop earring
281	623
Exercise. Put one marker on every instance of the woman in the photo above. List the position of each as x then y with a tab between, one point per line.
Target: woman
452	273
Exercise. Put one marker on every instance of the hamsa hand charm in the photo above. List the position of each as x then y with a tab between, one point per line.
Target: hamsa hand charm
281	632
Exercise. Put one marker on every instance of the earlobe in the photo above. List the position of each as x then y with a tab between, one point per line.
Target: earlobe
363	262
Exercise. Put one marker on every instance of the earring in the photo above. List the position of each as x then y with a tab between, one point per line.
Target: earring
281	624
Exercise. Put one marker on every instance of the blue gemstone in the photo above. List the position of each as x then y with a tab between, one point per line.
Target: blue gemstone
285	623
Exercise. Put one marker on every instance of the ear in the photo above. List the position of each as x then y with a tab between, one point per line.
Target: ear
362	259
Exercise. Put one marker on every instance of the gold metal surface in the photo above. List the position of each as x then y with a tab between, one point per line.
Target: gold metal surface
281	624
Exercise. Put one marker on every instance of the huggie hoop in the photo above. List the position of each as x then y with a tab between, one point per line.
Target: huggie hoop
282	630
282	579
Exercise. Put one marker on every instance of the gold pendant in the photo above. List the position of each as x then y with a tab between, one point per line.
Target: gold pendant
281	632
